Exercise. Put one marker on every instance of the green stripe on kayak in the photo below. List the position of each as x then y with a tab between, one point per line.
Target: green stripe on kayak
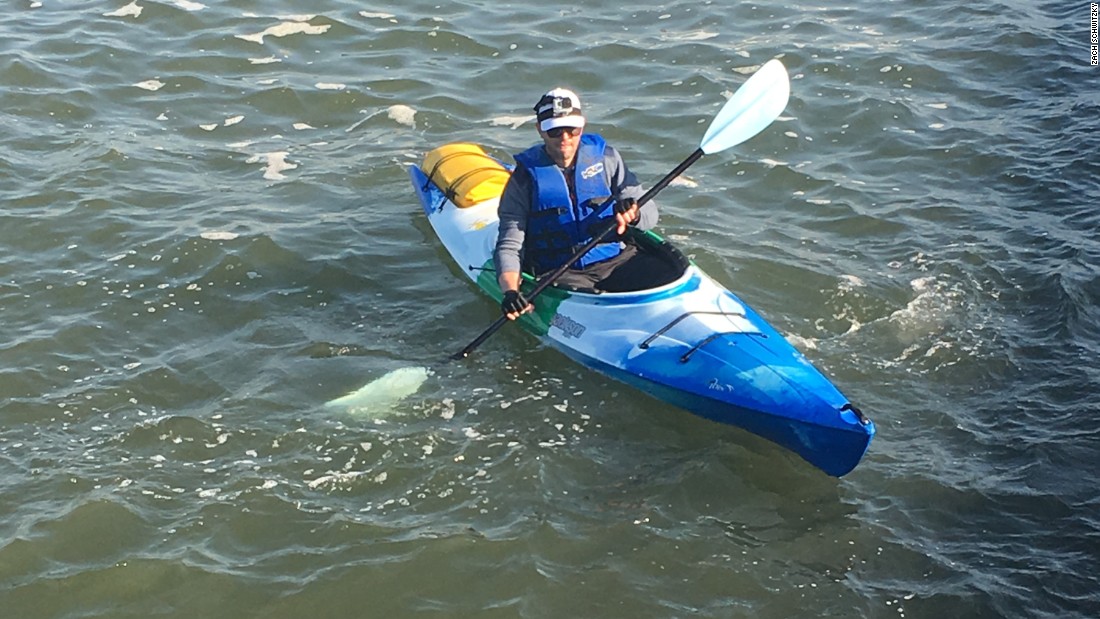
546	304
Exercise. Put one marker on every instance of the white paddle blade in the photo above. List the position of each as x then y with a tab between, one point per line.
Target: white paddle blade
380	397
755	105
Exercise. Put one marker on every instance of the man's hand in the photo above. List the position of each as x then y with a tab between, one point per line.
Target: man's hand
626	213
515	304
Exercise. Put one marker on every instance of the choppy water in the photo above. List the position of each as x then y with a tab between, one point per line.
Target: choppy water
207	232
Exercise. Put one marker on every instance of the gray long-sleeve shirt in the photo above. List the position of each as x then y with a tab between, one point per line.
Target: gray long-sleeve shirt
519	195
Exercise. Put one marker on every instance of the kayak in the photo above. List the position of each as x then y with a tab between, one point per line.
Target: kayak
687	341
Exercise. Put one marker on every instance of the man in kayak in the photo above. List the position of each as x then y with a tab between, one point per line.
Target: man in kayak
563	192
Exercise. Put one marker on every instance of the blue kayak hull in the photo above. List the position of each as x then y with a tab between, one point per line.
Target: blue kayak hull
836	448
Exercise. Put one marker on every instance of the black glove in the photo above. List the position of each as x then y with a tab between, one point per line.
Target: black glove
623	205
514	302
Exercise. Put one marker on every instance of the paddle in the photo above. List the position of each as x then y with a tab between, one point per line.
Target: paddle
754	106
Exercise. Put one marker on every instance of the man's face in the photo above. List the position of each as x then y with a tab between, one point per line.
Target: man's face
561	144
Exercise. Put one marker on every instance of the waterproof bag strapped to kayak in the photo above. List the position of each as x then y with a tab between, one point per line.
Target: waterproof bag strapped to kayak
465	173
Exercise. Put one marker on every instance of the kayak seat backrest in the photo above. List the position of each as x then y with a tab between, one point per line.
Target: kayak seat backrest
465	173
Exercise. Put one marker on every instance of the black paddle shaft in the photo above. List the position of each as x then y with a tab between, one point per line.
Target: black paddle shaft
549	280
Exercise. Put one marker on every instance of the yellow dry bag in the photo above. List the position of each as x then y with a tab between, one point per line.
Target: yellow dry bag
465	173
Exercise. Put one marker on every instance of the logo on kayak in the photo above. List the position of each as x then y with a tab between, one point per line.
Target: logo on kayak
714	385
592	170
568	326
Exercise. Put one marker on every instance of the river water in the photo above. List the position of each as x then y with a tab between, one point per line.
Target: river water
208	231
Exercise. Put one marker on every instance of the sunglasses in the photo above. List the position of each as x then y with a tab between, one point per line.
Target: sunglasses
557	132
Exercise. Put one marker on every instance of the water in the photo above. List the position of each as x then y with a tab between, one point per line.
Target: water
208	233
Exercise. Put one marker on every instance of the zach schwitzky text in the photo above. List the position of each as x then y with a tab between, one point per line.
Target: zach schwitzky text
1092	33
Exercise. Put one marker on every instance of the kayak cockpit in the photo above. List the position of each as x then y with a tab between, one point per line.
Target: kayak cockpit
667	264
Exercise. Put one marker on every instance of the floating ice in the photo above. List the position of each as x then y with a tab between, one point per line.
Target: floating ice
130	10
152	85
848	282
684	181
514	122
334	478
285	29
930	310
276	163
697	35
330	86
402	114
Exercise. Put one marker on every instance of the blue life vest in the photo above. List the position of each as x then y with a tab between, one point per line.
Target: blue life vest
557	225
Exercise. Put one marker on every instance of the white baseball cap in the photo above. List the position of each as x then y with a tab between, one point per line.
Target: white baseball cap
560	107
